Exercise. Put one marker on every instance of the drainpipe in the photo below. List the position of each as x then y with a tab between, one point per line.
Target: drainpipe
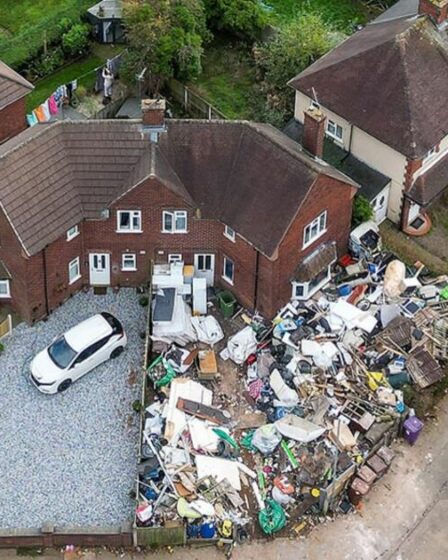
44	262
257	263
350	140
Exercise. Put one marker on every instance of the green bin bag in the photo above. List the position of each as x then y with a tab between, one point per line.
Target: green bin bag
272	518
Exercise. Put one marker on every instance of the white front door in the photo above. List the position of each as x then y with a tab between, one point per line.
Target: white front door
204	267
379	204
99	266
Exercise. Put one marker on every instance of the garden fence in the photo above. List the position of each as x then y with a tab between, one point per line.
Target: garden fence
193	104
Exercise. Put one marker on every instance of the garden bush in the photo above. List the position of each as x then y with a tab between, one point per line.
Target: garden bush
75	41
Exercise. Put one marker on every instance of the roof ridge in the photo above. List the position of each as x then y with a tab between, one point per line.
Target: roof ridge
14	146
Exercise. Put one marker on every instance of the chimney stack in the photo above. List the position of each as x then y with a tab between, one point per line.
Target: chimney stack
153	113
437	9
314	131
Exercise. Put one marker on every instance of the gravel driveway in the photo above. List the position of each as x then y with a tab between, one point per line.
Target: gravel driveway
70	459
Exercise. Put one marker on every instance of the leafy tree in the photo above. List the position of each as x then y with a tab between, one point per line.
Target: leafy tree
76	40
296	45
165	39
244	18
362	210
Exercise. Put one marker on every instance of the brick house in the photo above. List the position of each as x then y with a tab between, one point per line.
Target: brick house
13	90
383	92
92	203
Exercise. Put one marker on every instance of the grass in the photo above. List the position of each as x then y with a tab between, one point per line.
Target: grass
227	79
19	15
26	24
44	88
343	15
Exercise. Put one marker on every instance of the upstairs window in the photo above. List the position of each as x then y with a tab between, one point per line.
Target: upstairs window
315	229
174	222
72	232
334	130
129	221
229	233
4	289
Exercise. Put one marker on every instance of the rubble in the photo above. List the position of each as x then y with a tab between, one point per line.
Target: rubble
306	430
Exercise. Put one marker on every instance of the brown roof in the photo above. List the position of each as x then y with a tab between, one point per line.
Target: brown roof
430	184
316	262
389	79
54	175
12	85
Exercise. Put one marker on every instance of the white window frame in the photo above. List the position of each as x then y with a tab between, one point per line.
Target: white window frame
72	232
133	214
229	233
315	224
175	215
225	277
7	294
307	292
126	257
174	258
333	129
71	264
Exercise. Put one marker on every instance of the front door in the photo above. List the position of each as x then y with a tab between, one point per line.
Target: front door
379	204
204	267
99	266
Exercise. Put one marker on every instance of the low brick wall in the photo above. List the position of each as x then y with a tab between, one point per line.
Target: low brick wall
50	536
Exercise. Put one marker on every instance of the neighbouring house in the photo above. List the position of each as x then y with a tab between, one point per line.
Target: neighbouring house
383	92
107	20
13	90
93	203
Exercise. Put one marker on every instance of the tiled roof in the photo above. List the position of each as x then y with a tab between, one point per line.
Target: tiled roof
390	79
431	183
251	177
12	85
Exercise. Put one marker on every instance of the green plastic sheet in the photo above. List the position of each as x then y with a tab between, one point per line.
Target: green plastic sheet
272	518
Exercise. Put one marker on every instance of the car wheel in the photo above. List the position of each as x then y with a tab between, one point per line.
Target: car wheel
116	352
64	385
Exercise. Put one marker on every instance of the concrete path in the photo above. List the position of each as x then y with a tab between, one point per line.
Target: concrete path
404	518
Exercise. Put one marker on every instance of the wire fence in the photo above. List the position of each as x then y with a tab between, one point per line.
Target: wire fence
18	49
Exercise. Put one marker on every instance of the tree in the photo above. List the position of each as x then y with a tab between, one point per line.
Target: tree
165	39
243	18
296	45
362	210
76	40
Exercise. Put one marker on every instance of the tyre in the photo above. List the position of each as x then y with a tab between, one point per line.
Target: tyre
116	352
64	385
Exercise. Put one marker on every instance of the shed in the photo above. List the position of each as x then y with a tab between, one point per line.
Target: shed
107	19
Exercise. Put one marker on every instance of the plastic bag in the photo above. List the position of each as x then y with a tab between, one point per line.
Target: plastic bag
266	439
272	518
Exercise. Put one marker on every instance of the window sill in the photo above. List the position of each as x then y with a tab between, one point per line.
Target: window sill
72	237
306	245
128	270
227	280
5	296
75	279
335	138
232	239
128	231
183	232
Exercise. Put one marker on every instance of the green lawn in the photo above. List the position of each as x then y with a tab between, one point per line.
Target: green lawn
44	88
20	15
342	14
26	24
227	80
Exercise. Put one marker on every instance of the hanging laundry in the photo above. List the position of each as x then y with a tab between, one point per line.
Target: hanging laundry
74	85
40	113
53	106
46	110
99	82
31	119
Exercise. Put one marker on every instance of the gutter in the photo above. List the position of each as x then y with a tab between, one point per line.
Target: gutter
44	262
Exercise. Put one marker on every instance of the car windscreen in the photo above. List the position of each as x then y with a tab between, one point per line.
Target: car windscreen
61	353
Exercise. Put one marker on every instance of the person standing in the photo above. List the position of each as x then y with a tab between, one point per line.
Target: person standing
108	78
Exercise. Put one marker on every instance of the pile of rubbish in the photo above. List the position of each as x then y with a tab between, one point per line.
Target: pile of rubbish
322	391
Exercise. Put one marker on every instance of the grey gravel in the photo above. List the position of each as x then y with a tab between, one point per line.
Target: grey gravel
70	459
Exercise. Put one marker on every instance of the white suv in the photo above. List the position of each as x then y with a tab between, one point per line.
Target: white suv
77	352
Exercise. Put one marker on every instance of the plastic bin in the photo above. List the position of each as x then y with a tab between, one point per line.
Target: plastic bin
412	428
227	303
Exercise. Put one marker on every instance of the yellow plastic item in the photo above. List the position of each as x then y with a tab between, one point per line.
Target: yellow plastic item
375	379
315	492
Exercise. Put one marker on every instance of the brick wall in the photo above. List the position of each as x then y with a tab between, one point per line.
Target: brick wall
12	119
30	276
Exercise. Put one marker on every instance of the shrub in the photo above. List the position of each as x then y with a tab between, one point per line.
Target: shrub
75	42
362	210
243	18
46	64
